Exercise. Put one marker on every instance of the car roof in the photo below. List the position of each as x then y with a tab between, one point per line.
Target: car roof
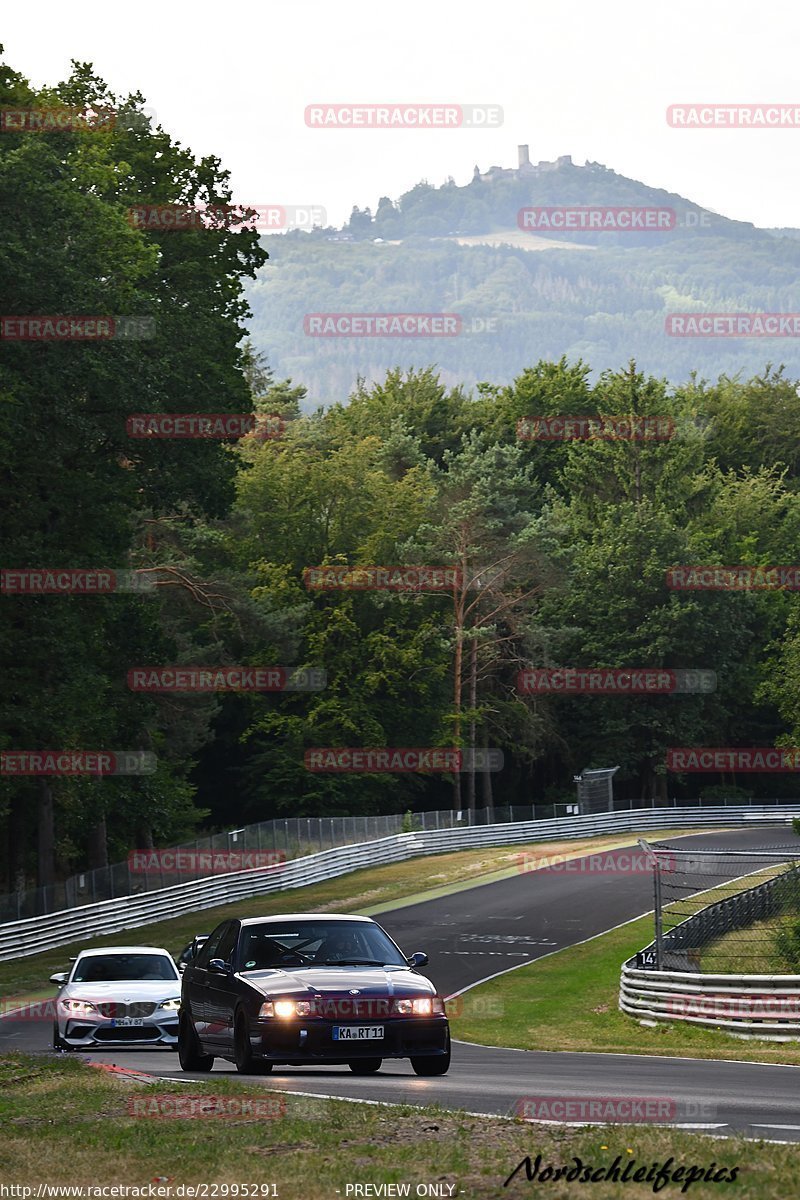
124	950
283	917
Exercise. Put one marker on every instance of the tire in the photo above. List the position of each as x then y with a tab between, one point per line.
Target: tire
246	1064
190	1054
428	1065
58	1041
365	1066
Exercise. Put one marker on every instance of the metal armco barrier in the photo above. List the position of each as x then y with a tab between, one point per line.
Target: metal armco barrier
760	1006
19	939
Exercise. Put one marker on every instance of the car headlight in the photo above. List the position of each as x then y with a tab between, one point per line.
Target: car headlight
77	1006
423	1006
286	1008
173	1004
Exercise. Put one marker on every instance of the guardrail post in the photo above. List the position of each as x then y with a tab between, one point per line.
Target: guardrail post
659	924
659	919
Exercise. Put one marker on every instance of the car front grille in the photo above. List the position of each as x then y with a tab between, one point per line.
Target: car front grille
113	1008
128	1033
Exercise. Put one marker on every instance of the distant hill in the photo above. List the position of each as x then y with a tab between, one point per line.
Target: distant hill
600	295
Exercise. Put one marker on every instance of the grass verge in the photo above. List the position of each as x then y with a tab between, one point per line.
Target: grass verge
359	891
569	1001
65	1123
749	951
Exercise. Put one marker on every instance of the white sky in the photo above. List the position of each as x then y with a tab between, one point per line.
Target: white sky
581	78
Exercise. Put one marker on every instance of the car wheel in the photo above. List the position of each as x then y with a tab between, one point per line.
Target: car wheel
246	1064
58	1041
190	1054
428	1065
365	1066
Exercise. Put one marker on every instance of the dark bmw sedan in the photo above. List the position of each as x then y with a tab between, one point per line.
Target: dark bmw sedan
306	990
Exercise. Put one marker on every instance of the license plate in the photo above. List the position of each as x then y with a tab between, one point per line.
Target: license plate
357	1033
119	1022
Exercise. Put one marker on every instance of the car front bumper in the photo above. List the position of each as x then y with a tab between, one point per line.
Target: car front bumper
312	1040
81	1032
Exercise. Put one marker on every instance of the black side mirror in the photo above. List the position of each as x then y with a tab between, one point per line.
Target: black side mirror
418	960
219	967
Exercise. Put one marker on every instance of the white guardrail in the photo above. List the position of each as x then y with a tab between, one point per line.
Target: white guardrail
19	939
746	1006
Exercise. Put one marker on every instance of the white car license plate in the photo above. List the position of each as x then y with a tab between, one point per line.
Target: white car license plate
357	1033
126	1021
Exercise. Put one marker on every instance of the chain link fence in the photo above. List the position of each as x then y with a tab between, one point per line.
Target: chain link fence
253	845
726	911
285	839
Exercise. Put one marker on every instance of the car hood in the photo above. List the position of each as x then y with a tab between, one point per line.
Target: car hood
123	990
335	981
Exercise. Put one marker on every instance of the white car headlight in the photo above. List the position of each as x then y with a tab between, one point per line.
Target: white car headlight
286	1008
423	1006
173	1004
77	1006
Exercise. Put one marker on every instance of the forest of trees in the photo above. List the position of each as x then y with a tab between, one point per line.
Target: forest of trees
563	546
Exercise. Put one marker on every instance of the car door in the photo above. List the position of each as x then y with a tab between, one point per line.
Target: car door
221	993
195	982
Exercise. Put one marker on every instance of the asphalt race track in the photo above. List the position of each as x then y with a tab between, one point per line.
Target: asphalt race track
490	928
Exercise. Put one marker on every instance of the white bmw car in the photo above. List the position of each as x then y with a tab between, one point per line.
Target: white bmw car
118	996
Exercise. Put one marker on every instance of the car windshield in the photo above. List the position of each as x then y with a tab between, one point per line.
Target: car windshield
316	944
108	968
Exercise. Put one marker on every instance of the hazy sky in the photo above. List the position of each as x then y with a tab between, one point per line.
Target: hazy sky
586	79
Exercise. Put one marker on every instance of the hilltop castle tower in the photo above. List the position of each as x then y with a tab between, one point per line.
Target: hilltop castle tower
525	167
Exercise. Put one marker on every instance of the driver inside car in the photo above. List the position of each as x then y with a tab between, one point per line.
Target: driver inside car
340	946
